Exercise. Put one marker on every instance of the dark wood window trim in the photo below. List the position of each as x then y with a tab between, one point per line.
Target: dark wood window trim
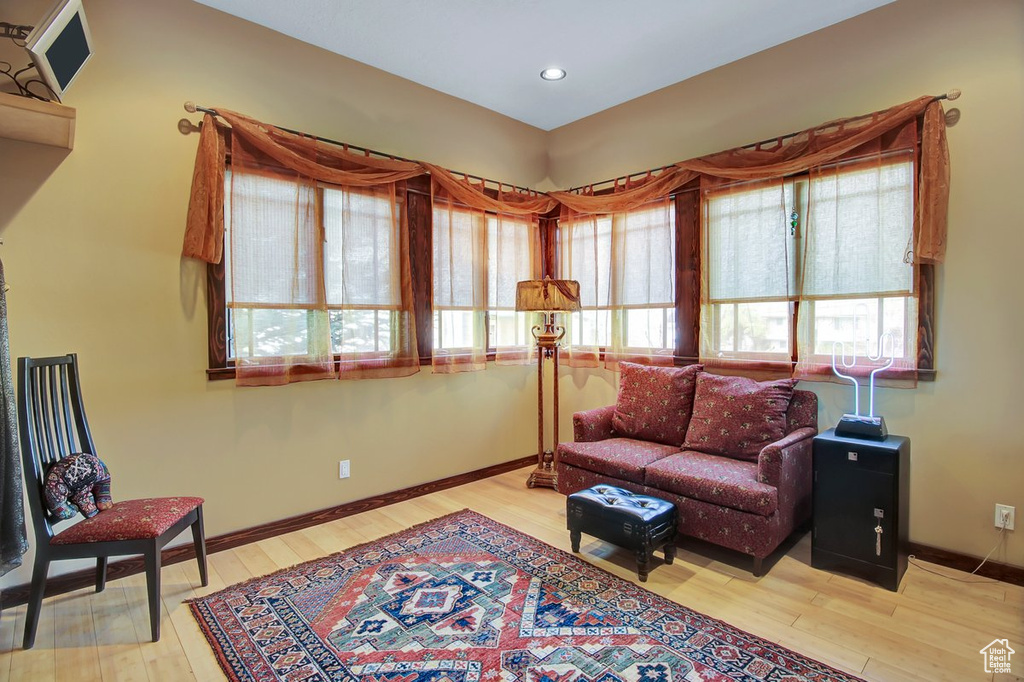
419	214
688	209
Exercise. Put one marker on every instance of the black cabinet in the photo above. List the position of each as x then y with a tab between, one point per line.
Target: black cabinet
860	486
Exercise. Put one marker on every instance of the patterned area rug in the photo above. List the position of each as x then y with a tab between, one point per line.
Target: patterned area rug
464	598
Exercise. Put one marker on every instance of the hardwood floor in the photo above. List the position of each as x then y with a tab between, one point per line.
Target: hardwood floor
931	630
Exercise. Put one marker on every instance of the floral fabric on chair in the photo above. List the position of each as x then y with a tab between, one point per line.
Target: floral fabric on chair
129	520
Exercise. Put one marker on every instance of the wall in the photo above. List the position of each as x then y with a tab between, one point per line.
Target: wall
92	243
967	452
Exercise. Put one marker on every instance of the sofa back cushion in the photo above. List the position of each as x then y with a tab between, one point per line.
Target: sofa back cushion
654	403
737	416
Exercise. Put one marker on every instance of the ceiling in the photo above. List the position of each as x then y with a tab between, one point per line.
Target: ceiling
491	52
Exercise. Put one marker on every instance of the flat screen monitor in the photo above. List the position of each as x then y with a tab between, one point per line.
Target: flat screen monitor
60	45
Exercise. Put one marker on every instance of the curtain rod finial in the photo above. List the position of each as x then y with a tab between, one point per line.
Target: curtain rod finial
186	127
190	107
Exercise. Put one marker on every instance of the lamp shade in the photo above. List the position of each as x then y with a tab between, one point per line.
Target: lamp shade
548	295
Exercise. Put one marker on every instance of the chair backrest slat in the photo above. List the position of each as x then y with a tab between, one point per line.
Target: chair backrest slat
51	423
43	444
74	443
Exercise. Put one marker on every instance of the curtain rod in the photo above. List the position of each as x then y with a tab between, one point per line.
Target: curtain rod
951	95
192	108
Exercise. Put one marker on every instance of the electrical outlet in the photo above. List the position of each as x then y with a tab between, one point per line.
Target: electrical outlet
343	470
1005	516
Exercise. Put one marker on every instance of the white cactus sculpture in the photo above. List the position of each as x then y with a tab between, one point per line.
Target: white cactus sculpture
857	424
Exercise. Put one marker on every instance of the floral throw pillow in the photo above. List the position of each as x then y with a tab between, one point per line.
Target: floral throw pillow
736	416
654	403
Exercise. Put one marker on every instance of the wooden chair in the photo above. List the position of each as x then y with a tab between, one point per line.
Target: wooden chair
52	426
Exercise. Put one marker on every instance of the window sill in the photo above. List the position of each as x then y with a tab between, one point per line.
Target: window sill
227	373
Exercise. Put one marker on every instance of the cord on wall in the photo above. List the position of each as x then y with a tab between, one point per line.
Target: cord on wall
1002	536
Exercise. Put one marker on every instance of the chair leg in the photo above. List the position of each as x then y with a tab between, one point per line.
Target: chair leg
199	540
153	587
101	573
757	567
35	600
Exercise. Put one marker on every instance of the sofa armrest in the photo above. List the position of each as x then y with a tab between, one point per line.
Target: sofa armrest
591	425
788	465
788	461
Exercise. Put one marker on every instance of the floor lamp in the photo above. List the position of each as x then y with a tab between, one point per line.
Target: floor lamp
548	296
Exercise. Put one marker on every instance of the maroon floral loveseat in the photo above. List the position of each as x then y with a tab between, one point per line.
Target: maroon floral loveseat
733	454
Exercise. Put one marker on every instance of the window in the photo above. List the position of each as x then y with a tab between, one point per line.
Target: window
303	259
361	272
478	259
587	258
857	284
625	264
646	281
511	258
459	242
830	248
750	273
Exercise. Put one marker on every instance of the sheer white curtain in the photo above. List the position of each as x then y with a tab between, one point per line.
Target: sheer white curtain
643	290
366	278
459	287
274	266
513	255
859	281
478	259
748	275
625	264
313	272
585	245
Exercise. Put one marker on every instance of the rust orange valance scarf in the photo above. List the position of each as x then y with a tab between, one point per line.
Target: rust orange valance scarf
204	233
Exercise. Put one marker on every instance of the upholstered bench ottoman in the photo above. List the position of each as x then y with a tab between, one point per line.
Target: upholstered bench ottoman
636	522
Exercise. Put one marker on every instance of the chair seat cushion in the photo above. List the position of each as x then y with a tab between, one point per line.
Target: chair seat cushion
129	520
718	480
623	458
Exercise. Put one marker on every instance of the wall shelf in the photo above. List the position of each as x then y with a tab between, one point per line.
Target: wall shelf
32	120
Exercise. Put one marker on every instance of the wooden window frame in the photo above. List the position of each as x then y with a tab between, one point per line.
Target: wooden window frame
419	214
688	207
688	225
688	232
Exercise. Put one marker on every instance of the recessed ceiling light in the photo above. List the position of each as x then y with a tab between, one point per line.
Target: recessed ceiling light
553	74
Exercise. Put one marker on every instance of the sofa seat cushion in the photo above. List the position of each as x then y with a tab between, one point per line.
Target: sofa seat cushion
717	480
654	403
623	458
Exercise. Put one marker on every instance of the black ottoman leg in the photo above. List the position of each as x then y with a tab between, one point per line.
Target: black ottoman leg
574	538
643	553
670	552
